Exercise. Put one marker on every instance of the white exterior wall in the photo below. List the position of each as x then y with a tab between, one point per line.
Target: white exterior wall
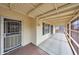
40	37
26	26
53	29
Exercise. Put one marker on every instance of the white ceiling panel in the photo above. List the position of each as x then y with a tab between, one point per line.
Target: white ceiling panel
22	8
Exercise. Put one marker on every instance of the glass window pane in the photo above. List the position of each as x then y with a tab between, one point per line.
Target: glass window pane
46	28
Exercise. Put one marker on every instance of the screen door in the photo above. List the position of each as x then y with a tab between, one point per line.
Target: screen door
12	34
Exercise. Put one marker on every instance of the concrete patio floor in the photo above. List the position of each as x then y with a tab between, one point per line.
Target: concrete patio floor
56	45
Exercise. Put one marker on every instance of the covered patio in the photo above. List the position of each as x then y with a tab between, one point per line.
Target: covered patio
39	28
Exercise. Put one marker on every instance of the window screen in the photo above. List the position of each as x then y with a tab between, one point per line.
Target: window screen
75	25
75	32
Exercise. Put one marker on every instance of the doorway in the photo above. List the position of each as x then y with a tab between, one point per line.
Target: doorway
11	35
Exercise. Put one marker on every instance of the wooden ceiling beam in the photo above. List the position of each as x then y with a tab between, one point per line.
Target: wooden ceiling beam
52	10
56	7
64	8
60	18
41	11
61	14
64	21
74	17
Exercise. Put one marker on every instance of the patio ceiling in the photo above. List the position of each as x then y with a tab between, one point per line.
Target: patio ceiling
45	11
